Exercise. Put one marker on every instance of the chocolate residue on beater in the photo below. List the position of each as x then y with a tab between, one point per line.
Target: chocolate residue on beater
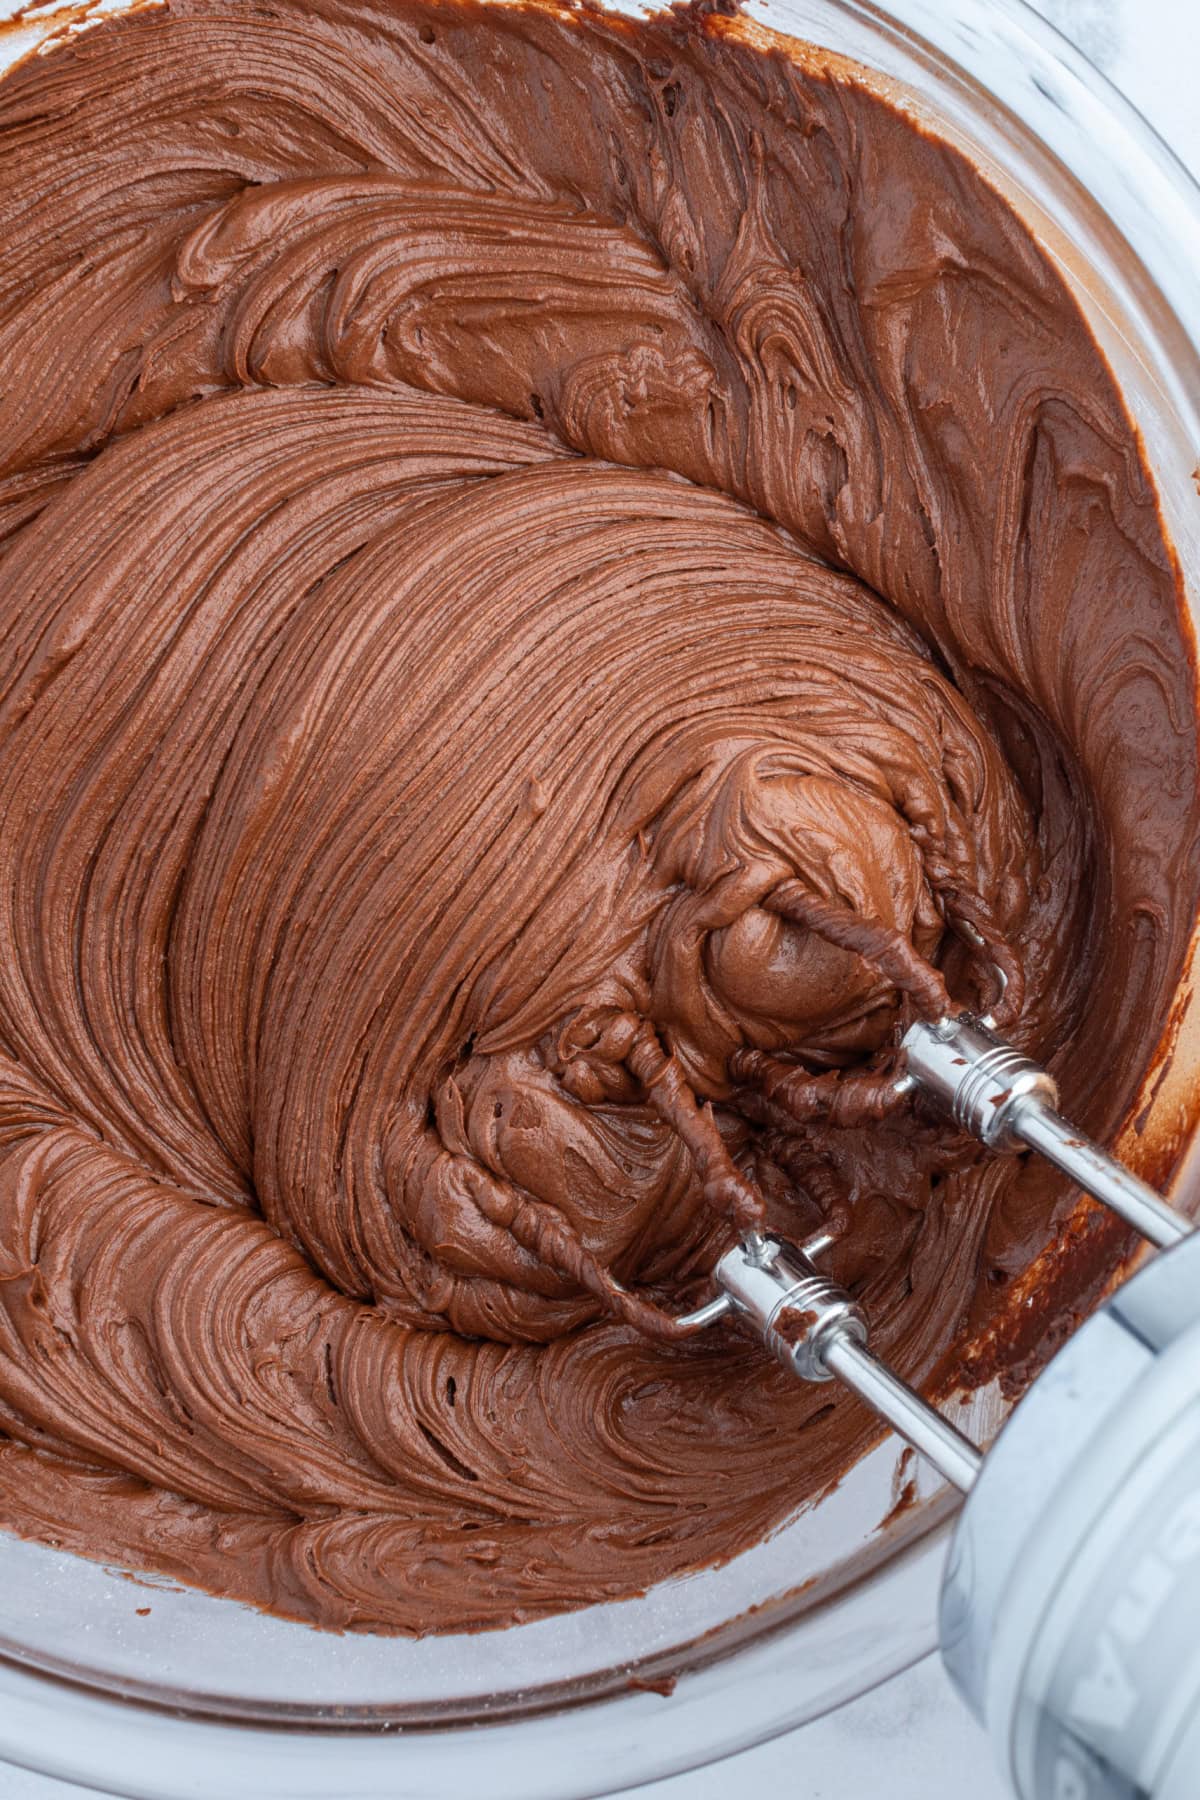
550	566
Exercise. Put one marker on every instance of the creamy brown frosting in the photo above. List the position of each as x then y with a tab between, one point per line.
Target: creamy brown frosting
552	567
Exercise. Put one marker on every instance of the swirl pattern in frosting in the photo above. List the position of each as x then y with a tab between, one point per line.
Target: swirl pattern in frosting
556	576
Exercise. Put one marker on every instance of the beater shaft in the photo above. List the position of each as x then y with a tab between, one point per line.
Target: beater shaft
1100	1175
954	1456
817	1330
1006	1100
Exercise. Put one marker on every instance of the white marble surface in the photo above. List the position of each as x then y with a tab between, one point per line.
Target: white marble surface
910	1740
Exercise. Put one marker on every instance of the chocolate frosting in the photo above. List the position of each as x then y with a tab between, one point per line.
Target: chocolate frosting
555	572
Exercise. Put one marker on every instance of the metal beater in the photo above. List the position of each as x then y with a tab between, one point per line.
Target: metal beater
1070	1604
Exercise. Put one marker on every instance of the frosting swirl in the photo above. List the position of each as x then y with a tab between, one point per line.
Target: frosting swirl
554	573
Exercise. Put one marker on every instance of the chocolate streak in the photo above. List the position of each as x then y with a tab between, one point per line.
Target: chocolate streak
548	563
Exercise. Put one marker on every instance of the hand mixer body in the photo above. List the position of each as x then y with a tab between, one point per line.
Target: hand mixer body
1070	1609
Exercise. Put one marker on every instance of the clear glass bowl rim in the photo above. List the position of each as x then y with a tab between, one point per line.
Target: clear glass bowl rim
1142	209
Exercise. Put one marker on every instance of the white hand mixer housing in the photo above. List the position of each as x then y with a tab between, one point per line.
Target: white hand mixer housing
1070	1605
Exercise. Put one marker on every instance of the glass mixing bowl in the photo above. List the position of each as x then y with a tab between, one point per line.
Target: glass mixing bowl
145	1689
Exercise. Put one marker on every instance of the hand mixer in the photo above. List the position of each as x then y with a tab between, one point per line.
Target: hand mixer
1070	1603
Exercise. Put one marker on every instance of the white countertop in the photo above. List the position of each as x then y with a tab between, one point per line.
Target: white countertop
910	1739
